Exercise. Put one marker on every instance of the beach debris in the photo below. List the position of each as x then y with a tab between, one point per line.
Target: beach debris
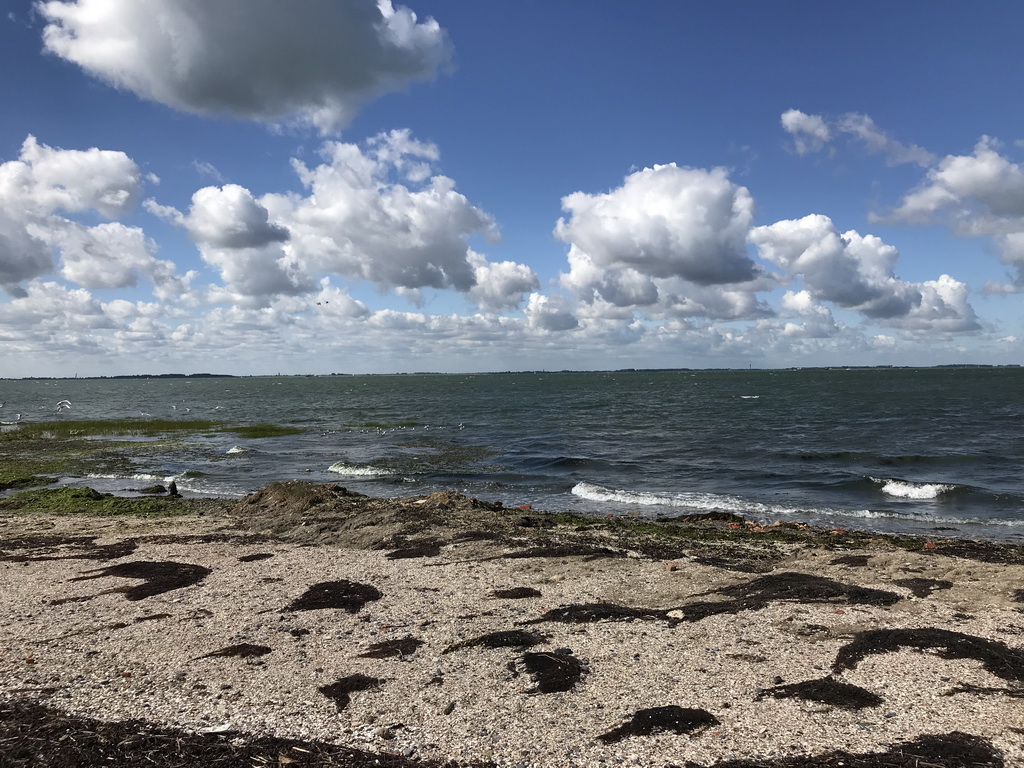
40	548
516	593
565	550
402	647
785	587
341	689
945	750
254	557
826	690
158	577
241	651
550	672
923	587
978	690
345	595
586	613
428	548
998	658
512	638
670	719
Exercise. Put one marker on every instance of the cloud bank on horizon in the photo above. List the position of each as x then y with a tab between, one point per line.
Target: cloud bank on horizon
357	253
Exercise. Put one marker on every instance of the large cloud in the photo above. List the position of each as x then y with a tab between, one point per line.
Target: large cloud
666	221
374	213
44	181
669	241
856	272
314	60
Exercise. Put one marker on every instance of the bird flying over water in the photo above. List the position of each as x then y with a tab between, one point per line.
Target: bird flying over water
63	405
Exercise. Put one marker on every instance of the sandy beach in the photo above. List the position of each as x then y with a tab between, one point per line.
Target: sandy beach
311	626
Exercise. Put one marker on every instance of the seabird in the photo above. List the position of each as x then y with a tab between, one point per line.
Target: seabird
63	405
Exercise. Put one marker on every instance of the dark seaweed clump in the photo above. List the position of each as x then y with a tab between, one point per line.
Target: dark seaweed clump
36	736
998	658
550	672
586	613
851	561
254	557
340	689
670	719
345	595
241	651
947	750
786	587
827	691
585	551
516	593
39	548
418	549
158	577
513	638
402	647
923	587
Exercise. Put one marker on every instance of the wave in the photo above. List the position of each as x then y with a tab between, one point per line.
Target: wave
351	470
905	489
236	449
712	502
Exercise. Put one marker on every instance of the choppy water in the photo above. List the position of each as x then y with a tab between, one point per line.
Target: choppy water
885	449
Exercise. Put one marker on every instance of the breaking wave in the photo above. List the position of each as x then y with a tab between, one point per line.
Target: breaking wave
351	470
905	489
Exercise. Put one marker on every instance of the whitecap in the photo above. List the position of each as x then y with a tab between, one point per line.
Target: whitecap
349	470
236	449
904	489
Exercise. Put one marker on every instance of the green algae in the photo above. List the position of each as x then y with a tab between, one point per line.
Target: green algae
86	501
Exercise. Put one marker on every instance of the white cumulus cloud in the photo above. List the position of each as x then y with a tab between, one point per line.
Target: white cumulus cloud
809	132
316	61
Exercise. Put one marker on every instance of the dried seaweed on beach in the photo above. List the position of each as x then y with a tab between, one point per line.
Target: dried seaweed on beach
670	719
512	638
345	595
158	577
786	587
949	750
923	587
827	691
551	672
41	548
241	651
516	593
429	548
255	557
401	647
587	552
998	658
585	613
36	736
340	689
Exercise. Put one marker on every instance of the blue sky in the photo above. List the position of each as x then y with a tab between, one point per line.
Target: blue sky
318	186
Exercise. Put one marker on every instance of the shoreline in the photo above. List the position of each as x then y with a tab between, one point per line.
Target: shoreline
771	644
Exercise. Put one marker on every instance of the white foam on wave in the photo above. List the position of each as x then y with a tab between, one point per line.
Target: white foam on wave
349	470
904	489
236	449
712	502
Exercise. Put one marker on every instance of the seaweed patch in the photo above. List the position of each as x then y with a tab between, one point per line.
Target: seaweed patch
41	548
786	587
241	651
341	689
585	613
851	561
550	672
827	691
345	595
402	647
254	557
671	719
998	658
516	593
157	577
947	750
923	587
565	550
513	638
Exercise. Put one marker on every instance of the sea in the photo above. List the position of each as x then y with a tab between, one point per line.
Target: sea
931	451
